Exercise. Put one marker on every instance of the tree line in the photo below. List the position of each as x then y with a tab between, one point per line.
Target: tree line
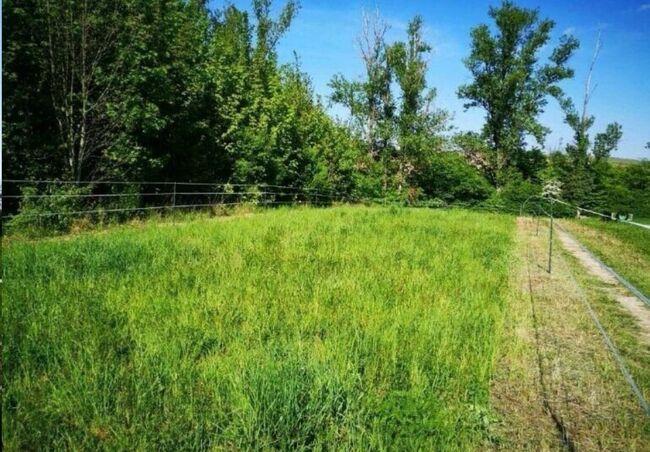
173	90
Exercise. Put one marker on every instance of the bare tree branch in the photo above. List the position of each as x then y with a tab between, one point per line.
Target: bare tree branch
588	89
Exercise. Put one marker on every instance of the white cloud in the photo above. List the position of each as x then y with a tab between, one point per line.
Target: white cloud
644	7
569	31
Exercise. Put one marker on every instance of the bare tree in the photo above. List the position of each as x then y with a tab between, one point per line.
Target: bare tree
379	102
581	121
589	91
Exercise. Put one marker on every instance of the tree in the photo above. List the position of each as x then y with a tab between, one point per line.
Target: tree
399	130
418	123
371	102
586	165
449	177
268	33
80	43
475	150
164	110
29	133
159	90
509	82
253	99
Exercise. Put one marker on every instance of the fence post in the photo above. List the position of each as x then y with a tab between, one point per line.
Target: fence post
174	197
550	240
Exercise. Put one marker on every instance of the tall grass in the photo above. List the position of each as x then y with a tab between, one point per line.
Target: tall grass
624	247
348	327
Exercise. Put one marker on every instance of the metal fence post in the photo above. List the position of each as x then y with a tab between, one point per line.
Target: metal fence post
550	241
174	197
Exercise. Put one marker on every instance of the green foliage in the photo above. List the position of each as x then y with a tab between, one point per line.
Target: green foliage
419	125
514	191
371	101
509	82
400	130
60	207
448	176
585	168
475	149
607	141
294	329
29	149
179	91
50	210
628	189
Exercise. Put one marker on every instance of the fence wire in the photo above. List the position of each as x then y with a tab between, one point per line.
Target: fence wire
535	207
43	198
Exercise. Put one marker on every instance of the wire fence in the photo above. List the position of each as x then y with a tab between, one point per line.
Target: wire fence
45	202
538	209
31	200
56	198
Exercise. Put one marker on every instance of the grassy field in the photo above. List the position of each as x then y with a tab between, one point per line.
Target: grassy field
624	247
360	327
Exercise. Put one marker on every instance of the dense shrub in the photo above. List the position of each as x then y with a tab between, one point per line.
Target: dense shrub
514	192
447	176
52	210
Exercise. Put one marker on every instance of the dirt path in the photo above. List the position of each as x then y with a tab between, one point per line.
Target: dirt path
556	385
614	289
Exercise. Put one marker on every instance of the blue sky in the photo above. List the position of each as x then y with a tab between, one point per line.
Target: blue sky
324	36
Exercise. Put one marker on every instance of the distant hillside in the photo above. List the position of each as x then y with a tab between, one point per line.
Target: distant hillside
623	161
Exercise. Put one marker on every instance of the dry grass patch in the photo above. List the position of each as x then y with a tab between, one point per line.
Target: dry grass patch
558	386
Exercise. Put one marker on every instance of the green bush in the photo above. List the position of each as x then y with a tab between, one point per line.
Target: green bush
448	177
513	193
60	207
52	210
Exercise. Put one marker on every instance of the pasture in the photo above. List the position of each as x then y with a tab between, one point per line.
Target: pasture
293	328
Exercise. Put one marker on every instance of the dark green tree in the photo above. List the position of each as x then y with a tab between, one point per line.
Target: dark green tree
60	65
510	83
161	90
30	146
80	55
400	130
164	111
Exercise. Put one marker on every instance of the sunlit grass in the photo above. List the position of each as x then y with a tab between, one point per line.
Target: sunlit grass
624	247
348	327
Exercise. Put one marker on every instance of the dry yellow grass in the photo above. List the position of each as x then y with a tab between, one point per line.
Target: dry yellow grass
557	385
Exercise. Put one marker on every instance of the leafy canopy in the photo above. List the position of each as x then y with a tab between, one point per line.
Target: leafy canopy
510	83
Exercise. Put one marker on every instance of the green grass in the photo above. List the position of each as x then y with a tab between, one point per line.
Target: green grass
350	327
619	161
624	247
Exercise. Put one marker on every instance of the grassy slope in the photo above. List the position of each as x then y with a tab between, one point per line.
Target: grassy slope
624	247
354	326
